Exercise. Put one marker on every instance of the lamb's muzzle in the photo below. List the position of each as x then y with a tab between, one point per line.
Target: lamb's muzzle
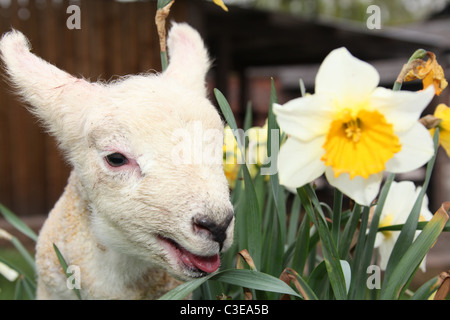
216	231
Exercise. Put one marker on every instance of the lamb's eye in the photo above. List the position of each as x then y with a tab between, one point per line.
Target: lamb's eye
116	159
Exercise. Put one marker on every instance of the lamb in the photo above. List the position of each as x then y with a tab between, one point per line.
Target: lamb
135	221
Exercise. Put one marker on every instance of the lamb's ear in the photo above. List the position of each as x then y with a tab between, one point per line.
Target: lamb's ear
188	57
56	97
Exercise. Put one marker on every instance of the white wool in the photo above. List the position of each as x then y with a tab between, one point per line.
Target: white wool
108	220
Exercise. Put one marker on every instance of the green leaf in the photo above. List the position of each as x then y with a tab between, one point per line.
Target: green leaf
17	223
64	265
332	262
357	261
229	118
18	291
278	191
318	280
294	218
226	109
358	286
301	285
210	290
252	218
301	250
415	254
24	252
349	231
243	278
184	289
254	280
248	120
29	288
420	226
426	290
337	211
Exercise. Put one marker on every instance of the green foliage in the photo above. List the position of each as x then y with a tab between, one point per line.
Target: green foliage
277	241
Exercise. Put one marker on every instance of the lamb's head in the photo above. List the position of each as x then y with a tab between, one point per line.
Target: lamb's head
147	151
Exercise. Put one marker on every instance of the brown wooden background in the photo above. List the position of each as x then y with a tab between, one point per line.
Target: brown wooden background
115	39
120	38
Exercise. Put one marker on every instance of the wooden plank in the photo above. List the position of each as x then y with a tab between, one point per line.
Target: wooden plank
147	41
26	139
5	104
55	40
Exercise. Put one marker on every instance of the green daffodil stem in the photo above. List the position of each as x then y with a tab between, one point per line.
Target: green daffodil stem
418	54
163	10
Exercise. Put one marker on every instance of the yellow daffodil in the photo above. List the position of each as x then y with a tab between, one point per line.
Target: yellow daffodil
255	153
221	4
352	130
231	157
430	72
257	145
398	205
442	112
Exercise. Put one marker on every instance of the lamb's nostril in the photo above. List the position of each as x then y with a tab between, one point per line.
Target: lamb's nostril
216	231
201	223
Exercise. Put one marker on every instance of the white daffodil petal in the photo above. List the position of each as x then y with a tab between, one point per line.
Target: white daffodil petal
401	108
378	239
423	264
399	203
363	191
346	78
304	118
385	249
417	150
299	162
400	200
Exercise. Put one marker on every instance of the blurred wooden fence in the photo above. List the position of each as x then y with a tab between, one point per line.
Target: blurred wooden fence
115	39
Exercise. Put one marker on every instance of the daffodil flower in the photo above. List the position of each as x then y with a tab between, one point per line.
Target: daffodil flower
231	157
430	72
255	153
399	203
442	112
352	130
257	145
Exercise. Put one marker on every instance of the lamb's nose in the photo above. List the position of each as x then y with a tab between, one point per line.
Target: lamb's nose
217	232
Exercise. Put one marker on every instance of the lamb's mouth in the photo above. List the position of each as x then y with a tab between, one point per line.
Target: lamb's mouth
199	266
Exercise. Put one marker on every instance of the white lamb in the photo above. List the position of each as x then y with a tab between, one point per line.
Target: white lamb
134	220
